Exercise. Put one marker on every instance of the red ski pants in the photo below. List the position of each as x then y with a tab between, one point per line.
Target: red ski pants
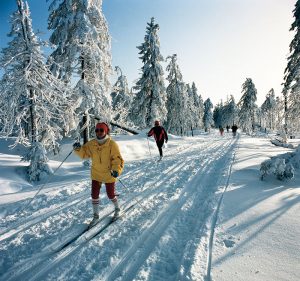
110	190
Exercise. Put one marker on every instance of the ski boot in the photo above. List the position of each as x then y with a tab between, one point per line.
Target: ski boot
94	220
116	214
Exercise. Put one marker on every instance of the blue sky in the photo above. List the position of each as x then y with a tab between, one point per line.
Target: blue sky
219	43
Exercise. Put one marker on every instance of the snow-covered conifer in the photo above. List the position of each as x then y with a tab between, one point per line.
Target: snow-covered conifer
199	107
176	93
218	115
191	110
82	54
268	109
208	115
247	106
149	103
279	113
229	112
292	73
35	106
293	111
121	98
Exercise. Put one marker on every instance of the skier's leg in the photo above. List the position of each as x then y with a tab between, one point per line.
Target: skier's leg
110	190
95	197
160	145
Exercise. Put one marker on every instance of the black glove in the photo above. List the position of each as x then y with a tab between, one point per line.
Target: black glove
166	141
76	145
115	174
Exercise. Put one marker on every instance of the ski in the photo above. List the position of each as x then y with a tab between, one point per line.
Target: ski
81	233
110	222
88	228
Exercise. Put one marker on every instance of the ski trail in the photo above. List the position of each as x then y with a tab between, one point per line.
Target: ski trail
214	220
40	216
145	191
137	254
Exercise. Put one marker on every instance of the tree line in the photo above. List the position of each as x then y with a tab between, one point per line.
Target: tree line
45	98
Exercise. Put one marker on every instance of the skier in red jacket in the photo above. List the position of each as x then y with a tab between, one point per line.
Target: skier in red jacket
160	136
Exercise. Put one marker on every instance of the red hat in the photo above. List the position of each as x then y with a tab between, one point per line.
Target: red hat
156	123
103	126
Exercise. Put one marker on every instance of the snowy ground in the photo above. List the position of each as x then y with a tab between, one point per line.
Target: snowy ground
259	226
166	234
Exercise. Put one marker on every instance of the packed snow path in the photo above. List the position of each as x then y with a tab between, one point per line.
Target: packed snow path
163	237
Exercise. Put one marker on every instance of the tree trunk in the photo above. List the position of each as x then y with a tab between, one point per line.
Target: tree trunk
85	132
124	128
285	112
33	119
85	116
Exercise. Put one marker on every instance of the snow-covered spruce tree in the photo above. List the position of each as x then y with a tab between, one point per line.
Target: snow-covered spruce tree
247	106
229	112
176	103
279	113
35	106
149	103
293	111
121	98
199	107
218	115
292	74
191	110
208	115
268	110
82	53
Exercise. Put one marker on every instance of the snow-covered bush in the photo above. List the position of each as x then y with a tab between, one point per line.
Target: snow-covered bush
38	167
282	144
283	166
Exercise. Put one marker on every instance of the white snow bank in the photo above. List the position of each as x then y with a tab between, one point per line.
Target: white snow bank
258	233
282	166
280	143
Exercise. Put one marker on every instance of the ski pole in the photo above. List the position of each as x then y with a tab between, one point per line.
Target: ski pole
43	185
128	190
149	147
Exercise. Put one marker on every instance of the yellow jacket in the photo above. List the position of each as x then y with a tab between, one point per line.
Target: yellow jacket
105	158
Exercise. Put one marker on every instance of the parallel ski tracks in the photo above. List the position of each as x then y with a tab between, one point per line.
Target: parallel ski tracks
42	215
39	270
132	260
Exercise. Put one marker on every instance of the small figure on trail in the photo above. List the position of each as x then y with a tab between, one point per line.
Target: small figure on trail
227	128
221	130
107	165
234	129
160	136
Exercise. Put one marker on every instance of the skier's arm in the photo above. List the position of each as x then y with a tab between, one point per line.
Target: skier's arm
166	135
150	133
117	162
84	151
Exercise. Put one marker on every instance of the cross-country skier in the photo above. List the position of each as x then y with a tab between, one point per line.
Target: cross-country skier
221	129
234	129
160	135
107	165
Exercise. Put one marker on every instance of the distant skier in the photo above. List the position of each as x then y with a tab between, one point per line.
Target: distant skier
107	165
160	136
221	129
234	129
227	128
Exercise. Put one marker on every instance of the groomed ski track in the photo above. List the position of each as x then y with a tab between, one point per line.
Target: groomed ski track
165	239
